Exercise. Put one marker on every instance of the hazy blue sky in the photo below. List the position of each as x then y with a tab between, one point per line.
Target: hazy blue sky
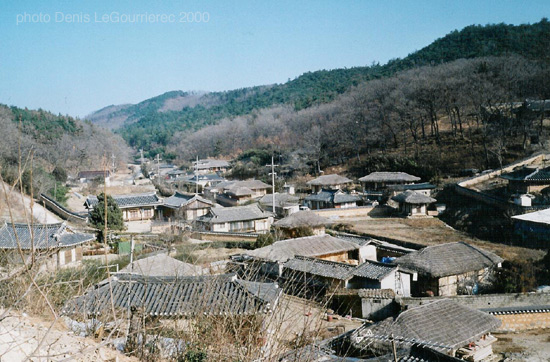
75	65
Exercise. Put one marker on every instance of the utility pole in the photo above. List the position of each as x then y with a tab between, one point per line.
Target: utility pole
272	180
113	158
197	176
158	166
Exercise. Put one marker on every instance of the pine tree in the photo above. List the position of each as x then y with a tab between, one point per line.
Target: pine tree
114	216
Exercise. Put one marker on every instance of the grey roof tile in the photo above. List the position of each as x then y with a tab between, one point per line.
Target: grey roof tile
40	236
237	213
413	197
129	200
179	200
172	297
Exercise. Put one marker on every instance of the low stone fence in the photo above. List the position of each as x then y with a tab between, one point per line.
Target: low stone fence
213	236
359	211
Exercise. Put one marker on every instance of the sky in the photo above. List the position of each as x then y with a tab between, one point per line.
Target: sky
75	57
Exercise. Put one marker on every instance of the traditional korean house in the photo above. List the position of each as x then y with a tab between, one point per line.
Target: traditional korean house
375	185
442	325
449	269
533	228
378	181
331	275
232	193
57	242
412	203
527	180
210	165
161	265
89	176
292	225
330	199
270	259
329	182
185	206
285	204
134	207
424	188
238	219
177	297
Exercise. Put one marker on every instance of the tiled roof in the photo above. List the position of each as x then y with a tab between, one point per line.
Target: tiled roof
172	297
41	236
161	265
210	163
302	218
518	310
238	213
251	184
328	180
376	293
179	200
317	245
129	200
373	270
414	187
333	196
441	324
528	174
413	197
324	268
448	259
389	177
281	200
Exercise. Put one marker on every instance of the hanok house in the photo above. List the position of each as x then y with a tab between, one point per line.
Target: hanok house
332	182
412	203
210	165
161	265
134	207
59	243
270	259
238	219
331	199
527	180
442	325
331	275
285	204
224	301
295	224
533	229
89	176
375	183
424	188
232	193
185	206
449	269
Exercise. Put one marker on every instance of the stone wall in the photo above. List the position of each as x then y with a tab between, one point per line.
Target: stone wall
523	321
486	301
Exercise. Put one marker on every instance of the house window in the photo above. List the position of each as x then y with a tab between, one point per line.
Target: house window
134	214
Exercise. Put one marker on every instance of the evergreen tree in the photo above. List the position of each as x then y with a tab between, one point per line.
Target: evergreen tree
114	216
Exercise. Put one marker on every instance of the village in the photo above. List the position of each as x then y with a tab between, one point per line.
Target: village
328	269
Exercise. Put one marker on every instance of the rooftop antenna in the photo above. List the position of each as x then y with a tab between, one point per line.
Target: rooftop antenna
272	173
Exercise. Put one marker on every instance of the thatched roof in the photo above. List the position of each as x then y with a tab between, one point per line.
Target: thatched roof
448	259
317	245
389	177
161	265
442	324
329	180
413	197
304	218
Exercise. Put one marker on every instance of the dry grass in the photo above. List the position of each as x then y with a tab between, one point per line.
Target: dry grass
432	231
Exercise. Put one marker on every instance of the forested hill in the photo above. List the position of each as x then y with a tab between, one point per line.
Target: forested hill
57	145
152	123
